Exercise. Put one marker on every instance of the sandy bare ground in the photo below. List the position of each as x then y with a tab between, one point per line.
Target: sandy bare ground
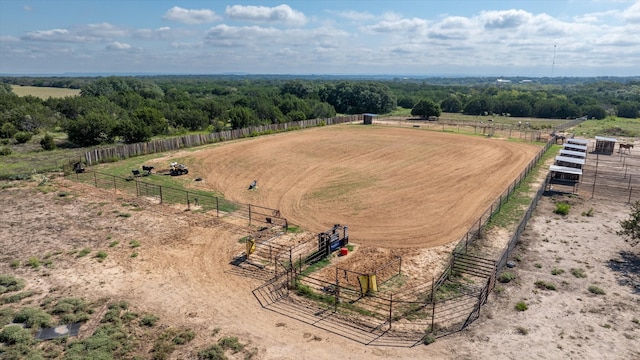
182	274
394	188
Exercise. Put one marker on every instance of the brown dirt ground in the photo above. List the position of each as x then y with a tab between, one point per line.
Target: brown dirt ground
183	275
394	188
182	272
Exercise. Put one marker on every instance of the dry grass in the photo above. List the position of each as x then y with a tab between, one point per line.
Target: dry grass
44	92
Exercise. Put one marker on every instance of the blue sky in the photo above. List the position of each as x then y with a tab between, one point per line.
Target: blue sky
358	37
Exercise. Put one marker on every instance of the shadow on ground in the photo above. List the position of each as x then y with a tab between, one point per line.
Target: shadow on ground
628	269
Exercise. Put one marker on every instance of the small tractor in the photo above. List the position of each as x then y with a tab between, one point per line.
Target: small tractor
178	169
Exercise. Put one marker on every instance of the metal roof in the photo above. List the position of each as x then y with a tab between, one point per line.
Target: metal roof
578	141
574	146
570	160
602	138
565	169
572	153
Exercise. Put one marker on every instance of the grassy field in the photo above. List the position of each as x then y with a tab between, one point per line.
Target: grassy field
458	117
611	126
44	92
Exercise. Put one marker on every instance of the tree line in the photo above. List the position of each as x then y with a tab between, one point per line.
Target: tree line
134	109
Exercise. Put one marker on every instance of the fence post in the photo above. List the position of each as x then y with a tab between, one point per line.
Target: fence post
137	189
217	208
249	214
390	310
160	186
95	179
188	203
630	189
337	299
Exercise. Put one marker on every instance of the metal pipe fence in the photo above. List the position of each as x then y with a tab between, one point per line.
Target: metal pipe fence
192	200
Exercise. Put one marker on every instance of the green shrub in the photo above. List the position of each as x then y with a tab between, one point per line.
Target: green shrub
579	273
15	264
428	339
5	150
184	337
521	306
114	243
134	243
596	290
213	352
149	320
101	255
47	142
84	252
556	271
6	316
15	334
544	285
506	277
9	283
109	341
588	213
16	297
22	137
33	317
8	130
129	315
562	208
231	343
72	310
34	262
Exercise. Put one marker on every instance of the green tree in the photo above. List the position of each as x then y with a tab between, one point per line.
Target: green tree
133	131
451	105
47	142
152	119
93	129
594	111
628	110
426	108
8	130
631	227
241	117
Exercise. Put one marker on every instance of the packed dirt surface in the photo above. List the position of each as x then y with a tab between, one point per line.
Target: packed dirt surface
182	273
394	188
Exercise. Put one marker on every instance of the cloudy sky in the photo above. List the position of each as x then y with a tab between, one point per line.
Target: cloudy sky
536	38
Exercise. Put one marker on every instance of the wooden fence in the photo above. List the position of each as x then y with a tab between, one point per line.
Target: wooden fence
124	151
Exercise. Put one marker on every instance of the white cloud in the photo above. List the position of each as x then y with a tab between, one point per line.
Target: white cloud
415	26
8	38
102	31
186	45
118	46
27	8
278	14
190	16
352	15
504	19
53	35
162	33
632	14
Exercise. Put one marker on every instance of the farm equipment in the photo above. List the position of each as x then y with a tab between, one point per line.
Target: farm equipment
178	169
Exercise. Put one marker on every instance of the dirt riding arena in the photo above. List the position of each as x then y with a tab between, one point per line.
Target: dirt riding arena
394	188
